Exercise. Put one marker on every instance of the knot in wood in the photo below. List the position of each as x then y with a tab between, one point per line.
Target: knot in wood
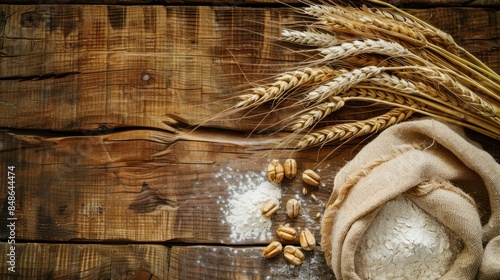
31	19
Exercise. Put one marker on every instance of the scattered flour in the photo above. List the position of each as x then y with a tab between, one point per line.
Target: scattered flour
404	242
247	193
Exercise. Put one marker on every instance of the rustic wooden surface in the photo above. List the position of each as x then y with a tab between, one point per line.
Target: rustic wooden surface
95	108
399	3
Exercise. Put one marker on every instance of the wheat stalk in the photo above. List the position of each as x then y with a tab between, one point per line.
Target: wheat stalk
381	57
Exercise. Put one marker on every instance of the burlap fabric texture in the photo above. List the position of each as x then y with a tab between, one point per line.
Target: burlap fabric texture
435	165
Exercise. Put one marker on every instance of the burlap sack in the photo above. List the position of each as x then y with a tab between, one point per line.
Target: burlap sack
428	161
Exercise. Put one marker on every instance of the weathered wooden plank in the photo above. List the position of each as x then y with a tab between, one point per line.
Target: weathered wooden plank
125	64
85	67
146	186
85	261
152	186
406	3
113	81
492	3
64	2
242	263
97	261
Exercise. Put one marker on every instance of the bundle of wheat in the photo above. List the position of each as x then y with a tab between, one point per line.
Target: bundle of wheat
382	56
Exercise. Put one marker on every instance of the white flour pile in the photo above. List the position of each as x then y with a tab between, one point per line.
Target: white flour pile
247	193
404	242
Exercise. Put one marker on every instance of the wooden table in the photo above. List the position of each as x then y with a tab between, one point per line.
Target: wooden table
97	107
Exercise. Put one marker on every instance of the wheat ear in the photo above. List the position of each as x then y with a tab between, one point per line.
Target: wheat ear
348	24
474	63
317	113
367	92
382	23
434	35
309	38
346	131
344	21
342	83
367	46
282	84
402	85
462	92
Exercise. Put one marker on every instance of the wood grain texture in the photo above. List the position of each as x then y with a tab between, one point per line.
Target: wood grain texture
93	188
87	261
96	108
132	66
156	262
242	263
405	3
